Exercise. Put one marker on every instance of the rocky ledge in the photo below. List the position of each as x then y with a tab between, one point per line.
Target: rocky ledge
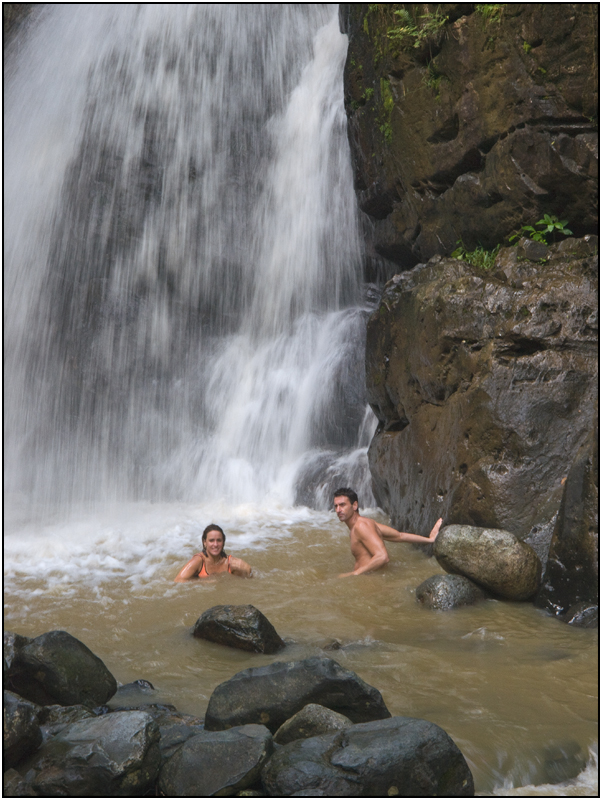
485	383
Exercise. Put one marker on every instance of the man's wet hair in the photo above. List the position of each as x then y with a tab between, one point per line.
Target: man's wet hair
349	493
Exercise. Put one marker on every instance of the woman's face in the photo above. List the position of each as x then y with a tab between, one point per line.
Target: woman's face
214	543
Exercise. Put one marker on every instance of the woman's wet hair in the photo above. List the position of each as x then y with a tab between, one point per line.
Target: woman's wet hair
207	531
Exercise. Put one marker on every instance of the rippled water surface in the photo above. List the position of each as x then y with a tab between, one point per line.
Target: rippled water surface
515	689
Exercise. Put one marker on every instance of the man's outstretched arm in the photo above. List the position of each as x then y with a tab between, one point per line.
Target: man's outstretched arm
391	535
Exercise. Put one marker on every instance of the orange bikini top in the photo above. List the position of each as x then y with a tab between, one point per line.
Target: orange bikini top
204	574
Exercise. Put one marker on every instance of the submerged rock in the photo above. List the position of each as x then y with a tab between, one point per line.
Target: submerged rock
312	720
272	694
243	627
217	763
386	758
114	755
58	666
449	591
21	733
582	615
494	559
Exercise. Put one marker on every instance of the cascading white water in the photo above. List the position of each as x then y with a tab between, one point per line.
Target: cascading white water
182	254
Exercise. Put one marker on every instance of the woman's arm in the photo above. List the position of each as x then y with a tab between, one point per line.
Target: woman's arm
191	570
240	567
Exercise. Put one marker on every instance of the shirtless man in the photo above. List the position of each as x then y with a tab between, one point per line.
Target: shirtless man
366	535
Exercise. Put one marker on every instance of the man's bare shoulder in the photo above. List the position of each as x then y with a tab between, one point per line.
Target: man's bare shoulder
365	526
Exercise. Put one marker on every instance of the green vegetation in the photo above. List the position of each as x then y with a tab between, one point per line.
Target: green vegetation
527	47
479	257
427	29
432	78
491	12
549	224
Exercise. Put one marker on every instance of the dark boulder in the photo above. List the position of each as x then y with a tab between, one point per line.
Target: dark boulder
449	591
494	559
217	764
572	575
114	755
312	720
64	669
272	694
243	627
21	733
387	758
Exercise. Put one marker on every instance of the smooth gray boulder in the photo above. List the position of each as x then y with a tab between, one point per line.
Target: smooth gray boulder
449	591
243	627
312	720
495	559
400	756
272	694
217	763
113	755
21	734
66	670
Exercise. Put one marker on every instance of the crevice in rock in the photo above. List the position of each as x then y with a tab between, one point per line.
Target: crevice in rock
521	346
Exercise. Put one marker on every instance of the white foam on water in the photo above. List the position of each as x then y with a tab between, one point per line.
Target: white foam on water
134	542
586	784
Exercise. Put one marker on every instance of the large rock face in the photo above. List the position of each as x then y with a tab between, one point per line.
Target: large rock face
483	382
474	129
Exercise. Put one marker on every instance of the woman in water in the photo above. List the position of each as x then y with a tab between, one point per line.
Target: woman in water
213	560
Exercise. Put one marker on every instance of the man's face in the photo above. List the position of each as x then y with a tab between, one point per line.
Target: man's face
344	508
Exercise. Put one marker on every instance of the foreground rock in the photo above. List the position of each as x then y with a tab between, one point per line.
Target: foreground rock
449	591
113	755
272	694
243	627
312	720
217	764
57	668
21	733
494	559
387	758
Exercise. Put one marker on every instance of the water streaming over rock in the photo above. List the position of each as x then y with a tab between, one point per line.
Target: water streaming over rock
182	256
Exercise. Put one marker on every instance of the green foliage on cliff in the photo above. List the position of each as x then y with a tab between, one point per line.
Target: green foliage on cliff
549	224
491	12
418	34
479	257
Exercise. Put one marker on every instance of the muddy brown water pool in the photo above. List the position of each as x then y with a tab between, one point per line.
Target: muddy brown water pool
514	688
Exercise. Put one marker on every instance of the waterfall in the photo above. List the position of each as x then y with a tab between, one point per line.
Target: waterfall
183	261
